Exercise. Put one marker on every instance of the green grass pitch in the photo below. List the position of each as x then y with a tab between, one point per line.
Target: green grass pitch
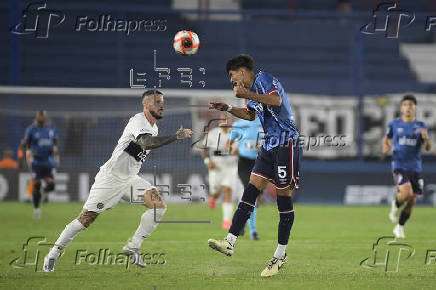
326	247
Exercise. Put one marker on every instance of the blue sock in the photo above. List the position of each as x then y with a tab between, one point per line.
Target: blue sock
252	220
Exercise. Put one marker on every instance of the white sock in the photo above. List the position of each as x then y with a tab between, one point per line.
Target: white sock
68	234
280	251
146	226
231	238
227	211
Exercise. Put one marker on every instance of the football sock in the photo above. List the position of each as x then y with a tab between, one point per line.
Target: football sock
231	238
36	194
404	216
245	207
286	210
68	234
280	251
398	203
252	220
227	211
147	226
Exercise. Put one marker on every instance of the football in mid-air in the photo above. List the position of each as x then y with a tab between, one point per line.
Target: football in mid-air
186	42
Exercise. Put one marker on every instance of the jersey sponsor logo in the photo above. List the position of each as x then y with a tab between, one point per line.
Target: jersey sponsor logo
44	142
407	141
400	130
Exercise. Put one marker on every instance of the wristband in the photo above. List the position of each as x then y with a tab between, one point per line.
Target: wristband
206	160
229	108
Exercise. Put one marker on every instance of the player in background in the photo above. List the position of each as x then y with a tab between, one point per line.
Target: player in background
222	168
40	143
118	178
278	160
406	135
248	136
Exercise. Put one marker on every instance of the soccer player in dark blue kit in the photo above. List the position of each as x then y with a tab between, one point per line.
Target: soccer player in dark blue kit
41	141
277	162
408	135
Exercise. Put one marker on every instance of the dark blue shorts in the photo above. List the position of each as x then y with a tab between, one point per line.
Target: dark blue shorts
415	179
280	165
41	172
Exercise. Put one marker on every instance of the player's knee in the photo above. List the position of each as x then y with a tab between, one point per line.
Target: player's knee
285	204
251	192
152	198
86	217
285	192
412	200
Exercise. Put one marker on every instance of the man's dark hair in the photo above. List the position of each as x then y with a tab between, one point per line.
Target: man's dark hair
409	98
241	60
150	92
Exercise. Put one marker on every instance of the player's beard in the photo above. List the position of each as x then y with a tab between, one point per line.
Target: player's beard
155	115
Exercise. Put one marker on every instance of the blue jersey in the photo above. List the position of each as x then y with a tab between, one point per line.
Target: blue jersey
407	141
248	134
277	121
40	141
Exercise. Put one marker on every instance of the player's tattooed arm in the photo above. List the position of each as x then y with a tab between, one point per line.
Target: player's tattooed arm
147	141
242	113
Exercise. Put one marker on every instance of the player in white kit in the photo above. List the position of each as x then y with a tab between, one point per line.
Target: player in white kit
223	168
118	179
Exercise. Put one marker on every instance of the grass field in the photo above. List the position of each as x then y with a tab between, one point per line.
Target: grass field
326	248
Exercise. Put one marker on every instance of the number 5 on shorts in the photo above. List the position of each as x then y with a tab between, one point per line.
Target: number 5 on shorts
281	171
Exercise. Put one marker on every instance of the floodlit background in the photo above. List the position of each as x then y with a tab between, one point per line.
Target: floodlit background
345	65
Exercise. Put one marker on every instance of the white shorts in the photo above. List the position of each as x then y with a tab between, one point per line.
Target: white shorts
224	176
107	191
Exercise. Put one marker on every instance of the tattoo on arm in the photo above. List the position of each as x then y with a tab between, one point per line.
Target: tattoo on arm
146	141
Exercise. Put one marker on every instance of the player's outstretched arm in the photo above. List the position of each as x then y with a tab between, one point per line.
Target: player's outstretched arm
147	141
272	99
242	113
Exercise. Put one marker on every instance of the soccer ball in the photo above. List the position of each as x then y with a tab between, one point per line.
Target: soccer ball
186	42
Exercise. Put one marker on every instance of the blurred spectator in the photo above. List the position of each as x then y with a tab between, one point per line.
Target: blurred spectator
344	6
8	161
76	130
